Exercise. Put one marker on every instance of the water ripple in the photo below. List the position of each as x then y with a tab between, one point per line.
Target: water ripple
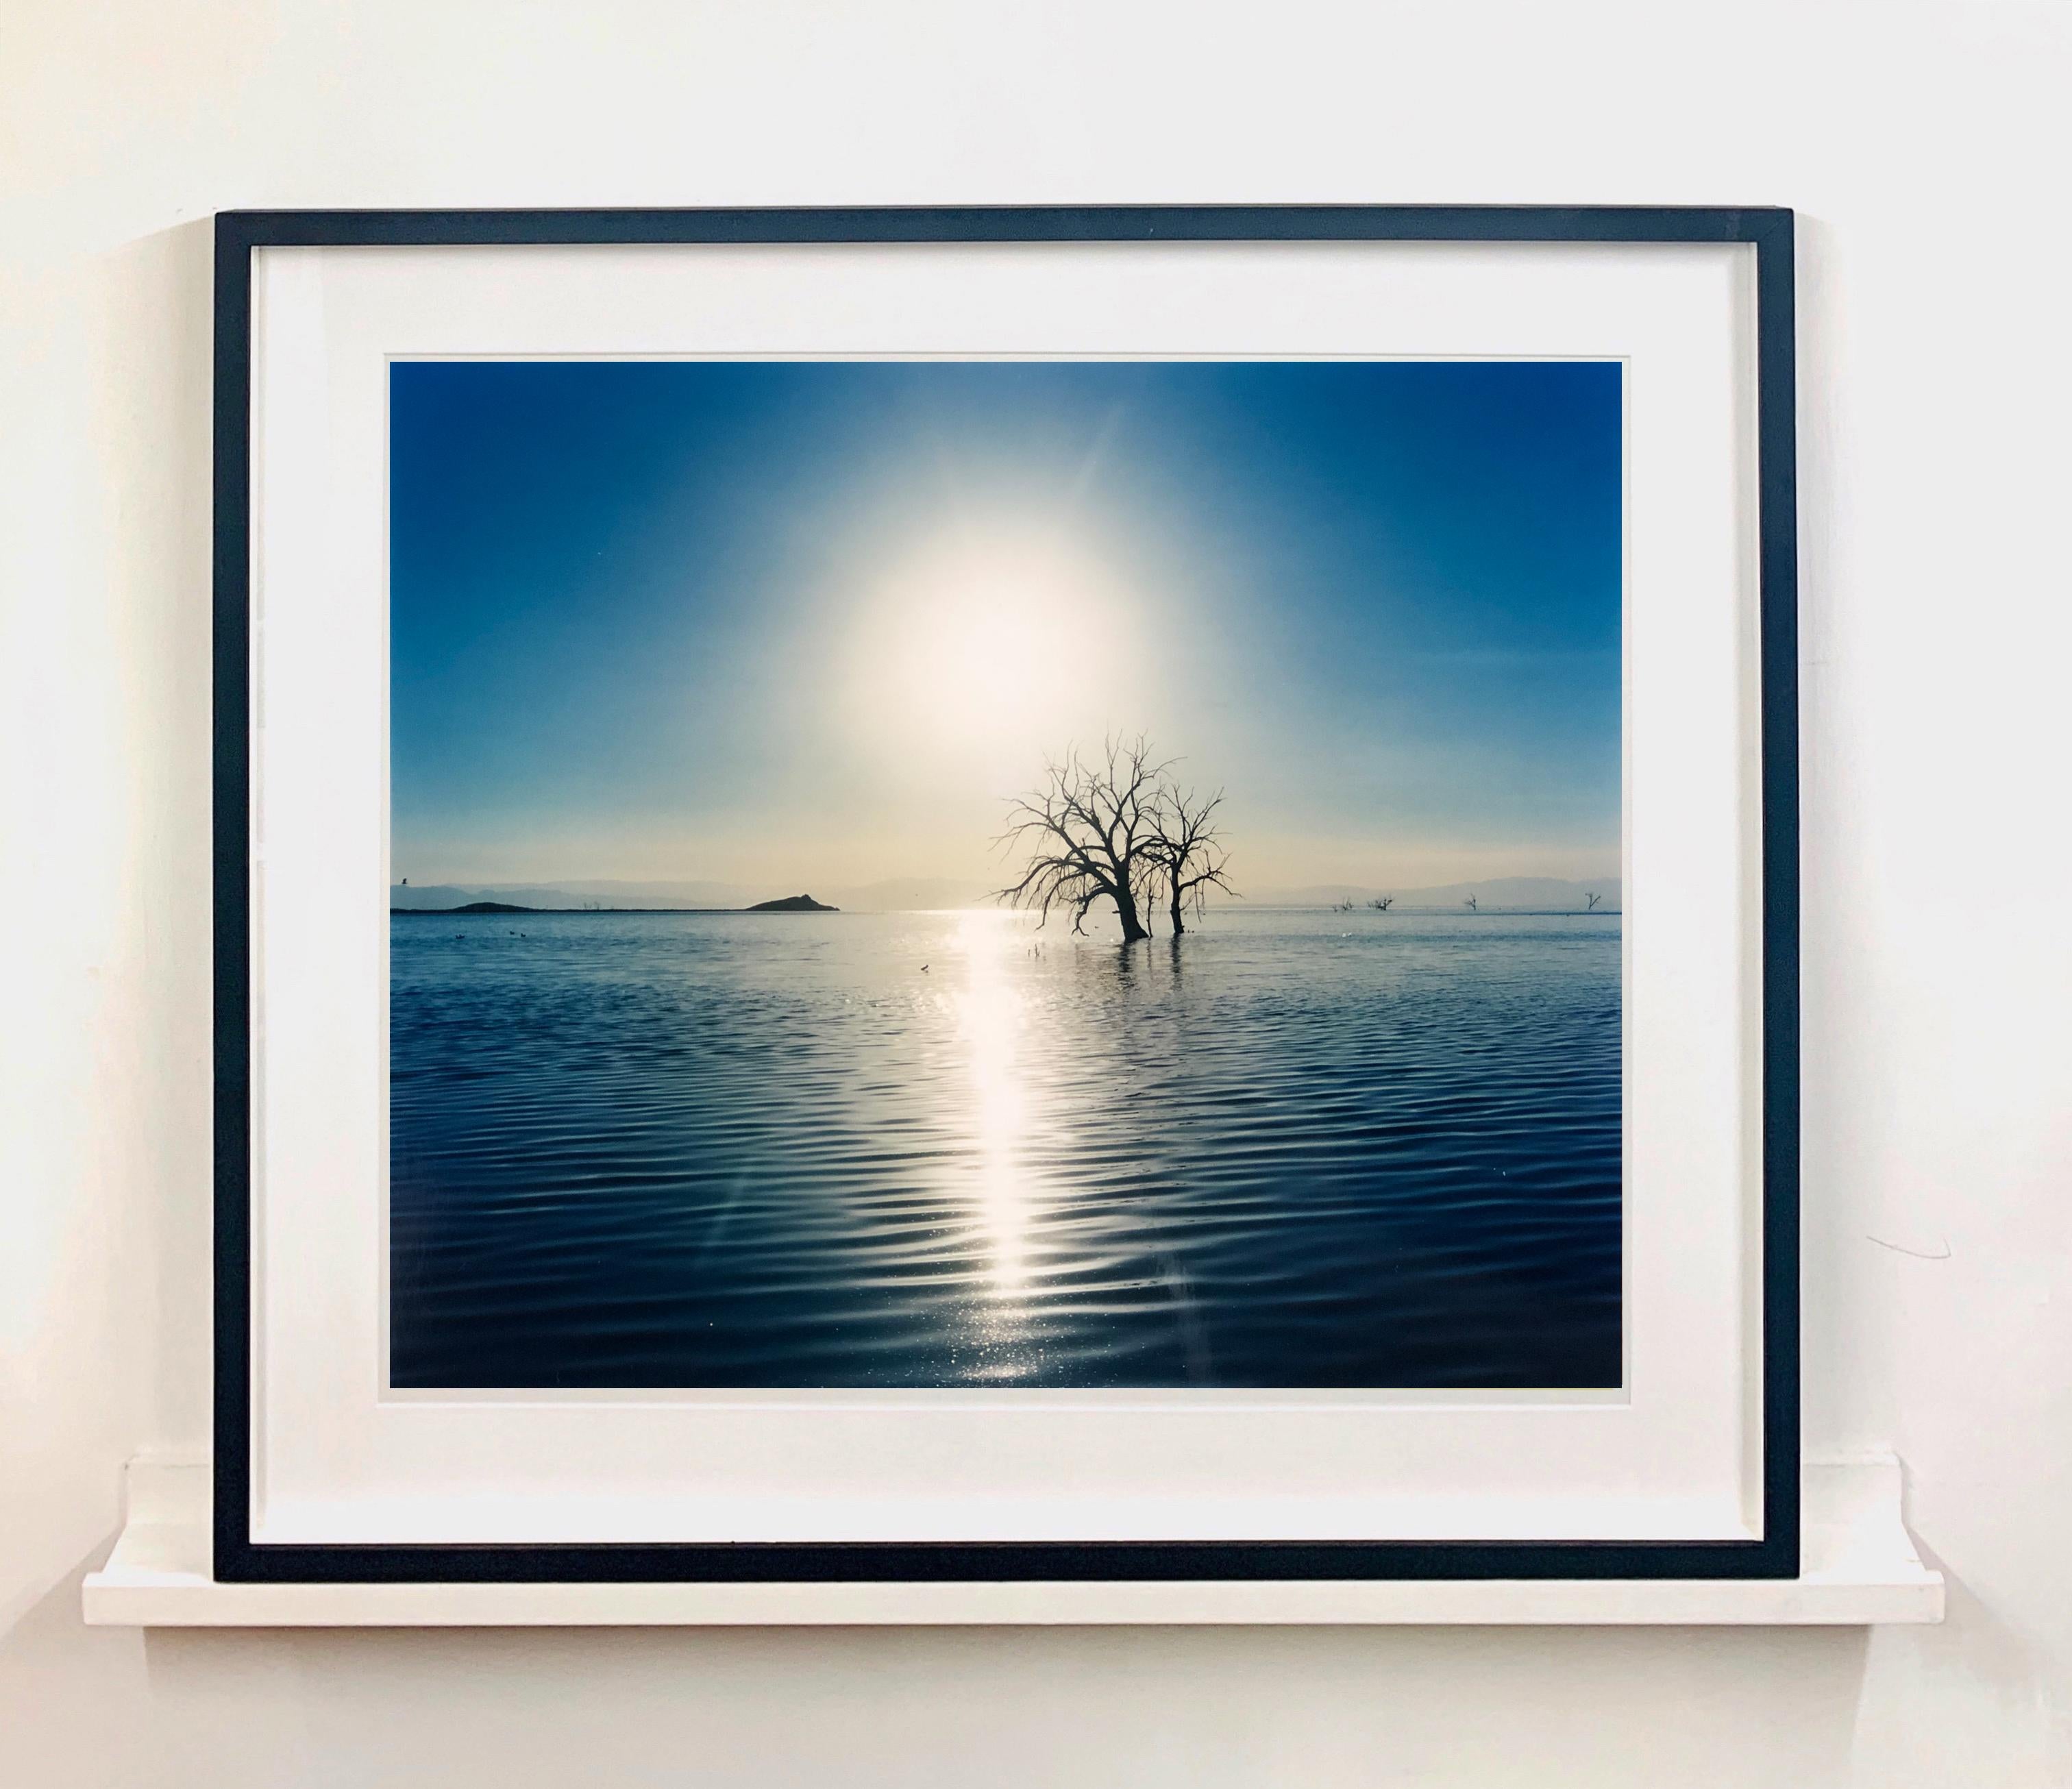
733	1150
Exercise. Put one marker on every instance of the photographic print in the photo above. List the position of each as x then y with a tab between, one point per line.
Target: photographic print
989	874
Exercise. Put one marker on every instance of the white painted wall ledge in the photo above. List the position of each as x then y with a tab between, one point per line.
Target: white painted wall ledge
1859	1568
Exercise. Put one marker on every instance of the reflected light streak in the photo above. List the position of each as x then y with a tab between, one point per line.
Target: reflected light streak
991	1022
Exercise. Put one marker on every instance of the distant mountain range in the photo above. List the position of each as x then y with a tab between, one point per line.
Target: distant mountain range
921	894
901	895
442	895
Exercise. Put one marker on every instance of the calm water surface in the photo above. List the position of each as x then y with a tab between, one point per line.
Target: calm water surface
1292	1149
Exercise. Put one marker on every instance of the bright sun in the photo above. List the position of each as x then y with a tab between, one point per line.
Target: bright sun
984	638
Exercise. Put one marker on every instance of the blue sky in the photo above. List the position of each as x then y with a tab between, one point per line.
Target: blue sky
806	625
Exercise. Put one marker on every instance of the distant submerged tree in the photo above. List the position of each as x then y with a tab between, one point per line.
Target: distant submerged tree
1090	834
1594	900
1189	849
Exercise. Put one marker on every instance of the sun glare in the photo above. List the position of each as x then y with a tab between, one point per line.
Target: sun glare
982	638
991	1025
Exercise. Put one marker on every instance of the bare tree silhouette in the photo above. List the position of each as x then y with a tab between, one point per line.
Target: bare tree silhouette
1187	846
1091	834
1472	905
1382	903
1594	899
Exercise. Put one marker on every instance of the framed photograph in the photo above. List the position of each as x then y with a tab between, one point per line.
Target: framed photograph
1035	894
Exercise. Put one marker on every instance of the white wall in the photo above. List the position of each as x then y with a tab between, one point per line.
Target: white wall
1926	148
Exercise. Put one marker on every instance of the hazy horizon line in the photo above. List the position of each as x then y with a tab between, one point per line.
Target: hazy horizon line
924	892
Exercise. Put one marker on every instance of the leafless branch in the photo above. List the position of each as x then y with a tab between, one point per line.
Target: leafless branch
1188	851
1087	835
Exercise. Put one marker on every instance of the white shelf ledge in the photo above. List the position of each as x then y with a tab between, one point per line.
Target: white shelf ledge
1859	1568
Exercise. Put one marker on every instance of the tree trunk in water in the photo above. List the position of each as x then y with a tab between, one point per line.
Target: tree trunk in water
1178	926
1125	907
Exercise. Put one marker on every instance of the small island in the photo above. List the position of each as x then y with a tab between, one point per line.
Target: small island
791	903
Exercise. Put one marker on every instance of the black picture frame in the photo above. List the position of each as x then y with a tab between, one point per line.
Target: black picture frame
237	1558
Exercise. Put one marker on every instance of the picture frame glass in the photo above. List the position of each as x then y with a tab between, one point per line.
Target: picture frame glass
1280	726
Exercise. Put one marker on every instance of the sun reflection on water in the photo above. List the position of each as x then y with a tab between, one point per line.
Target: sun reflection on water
992	1021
